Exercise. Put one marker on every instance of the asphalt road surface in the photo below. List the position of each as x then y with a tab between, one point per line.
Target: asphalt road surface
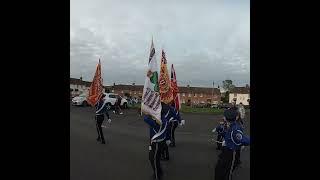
125	154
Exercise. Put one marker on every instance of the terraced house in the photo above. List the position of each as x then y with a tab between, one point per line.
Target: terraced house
192	95
240	94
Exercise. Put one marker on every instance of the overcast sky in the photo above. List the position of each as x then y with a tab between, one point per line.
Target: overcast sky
206	40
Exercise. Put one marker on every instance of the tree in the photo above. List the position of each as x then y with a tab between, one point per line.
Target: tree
225	99
227	85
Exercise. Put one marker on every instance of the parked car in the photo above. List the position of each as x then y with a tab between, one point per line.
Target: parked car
214	106
80	100
224	106
111	99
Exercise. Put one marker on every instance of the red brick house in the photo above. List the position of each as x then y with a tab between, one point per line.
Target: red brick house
194	95
200	95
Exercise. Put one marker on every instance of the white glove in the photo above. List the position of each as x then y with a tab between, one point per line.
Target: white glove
109	121
214	130
168	142
183	122
223	143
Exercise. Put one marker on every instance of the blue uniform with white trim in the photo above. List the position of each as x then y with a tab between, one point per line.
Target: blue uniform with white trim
234	137
100	110
221	130
158	134
174	120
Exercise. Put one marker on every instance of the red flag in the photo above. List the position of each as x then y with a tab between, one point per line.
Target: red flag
175	89
96	88
164	81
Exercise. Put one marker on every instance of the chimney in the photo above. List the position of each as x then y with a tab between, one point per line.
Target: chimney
80	78
133	84
114	84
188	86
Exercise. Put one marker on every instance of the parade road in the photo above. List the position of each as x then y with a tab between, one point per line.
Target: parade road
125	154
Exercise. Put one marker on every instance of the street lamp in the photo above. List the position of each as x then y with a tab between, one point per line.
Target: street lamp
212	91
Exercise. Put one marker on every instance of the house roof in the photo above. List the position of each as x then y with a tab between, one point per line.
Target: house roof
199	90
80	82
124	87
240	90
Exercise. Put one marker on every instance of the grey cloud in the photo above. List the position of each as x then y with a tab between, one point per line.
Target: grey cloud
206	40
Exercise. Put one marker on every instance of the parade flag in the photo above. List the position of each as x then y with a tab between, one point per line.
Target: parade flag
96	88
175	89
151	104
164	81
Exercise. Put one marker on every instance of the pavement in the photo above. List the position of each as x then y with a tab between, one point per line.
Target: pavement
125	154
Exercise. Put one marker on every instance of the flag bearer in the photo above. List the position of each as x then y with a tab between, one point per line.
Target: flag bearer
174	120
220	129
101	109
157	140
233	140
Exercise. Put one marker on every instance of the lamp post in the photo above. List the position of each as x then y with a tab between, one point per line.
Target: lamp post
212	91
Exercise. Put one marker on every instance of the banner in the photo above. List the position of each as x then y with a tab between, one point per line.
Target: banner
164	82
96	88
151	103
175	89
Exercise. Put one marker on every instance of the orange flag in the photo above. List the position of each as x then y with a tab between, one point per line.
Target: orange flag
175	89
96	88
164	82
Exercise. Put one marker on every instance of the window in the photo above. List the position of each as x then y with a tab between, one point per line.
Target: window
201	95
121	91
235	95
71	89
112	96
112	90
189	95
183	101
195	94
183	94
76	90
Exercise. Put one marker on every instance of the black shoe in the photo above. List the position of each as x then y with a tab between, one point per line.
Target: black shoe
103	142
237	165
98	139
218	148
160	174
